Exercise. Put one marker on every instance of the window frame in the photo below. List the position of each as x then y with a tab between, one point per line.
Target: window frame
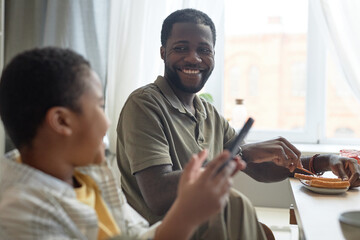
314	131
315	95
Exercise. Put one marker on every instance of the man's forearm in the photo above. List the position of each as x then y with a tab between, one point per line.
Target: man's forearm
166	190
270	172
266	172
158	186
319	164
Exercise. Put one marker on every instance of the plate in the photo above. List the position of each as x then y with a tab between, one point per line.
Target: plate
324	190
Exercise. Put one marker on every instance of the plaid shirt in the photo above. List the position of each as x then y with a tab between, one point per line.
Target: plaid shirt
35	205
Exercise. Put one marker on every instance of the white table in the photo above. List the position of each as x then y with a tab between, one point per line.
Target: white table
317	214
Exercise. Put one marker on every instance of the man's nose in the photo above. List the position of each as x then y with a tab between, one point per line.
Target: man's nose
193	57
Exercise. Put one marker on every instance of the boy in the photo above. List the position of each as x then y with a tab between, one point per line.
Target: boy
57	184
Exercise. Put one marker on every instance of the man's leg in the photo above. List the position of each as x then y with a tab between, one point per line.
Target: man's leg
241	218
236	222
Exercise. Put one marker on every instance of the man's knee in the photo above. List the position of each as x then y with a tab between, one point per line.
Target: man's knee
239	200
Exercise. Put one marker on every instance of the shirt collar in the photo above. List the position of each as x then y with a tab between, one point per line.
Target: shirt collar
200	107
169	94
14	172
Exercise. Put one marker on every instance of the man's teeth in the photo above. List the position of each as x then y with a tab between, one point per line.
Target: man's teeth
191	71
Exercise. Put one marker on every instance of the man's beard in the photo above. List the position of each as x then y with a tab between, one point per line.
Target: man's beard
174	78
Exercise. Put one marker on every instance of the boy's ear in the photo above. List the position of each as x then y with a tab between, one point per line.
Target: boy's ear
59	119
162	52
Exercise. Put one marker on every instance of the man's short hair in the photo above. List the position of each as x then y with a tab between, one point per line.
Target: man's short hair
187	15
32	83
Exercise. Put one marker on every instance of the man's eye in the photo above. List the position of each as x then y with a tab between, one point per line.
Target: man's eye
206	50
180	49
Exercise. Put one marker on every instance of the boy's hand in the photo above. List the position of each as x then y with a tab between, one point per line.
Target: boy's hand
204	192
240	165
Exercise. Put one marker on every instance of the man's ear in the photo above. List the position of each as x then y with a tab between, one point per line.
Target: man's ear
162	53
59	119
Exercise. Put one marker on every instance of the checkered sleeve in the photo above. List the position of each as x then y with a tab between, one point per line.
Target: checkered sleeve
23	216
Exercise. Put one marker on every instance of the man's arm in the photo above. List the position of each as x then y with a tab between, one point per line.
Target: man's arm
270	172
345	168
271	160
158	186
267	172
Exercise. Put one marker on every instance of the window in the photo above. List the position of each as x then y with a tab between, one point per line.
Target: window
298	78
342	107
276	61
253	80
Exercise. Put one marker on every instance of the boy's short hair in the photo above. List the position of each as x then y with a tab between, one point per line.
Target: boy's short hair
187	15
32	83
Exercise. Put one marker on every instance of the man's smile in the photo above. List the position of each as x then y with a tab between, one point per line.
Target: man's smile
190	71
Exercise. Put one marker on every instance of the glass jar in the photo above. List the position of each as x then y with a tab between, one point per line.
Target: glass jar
239	114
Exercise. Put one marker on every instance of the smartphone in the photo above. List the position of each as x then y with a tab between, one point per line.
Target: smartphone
234	148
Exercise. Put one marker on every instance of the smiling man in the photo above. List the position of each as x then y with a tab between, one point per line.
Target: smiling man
162	124
189	57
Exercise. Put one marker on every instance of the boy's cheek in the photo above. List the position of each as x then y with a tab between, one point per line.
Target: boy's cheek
100	156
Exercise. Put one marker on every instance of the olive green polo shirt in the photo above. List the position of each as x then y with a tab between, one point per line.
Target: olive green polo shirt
155	128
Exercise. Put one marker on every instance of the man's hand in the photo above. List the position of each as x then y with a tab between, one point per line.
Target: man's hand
279	151
345	168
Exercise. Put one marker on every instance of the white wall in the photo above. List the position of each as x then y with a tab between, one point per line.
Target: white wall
277	195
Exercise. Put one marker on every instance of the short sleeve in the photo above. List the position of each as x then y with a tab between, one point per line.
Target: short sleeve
141	134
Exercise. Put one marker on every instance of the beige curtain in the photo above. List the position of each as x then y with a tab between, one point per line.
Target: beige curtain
339	24
81	25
